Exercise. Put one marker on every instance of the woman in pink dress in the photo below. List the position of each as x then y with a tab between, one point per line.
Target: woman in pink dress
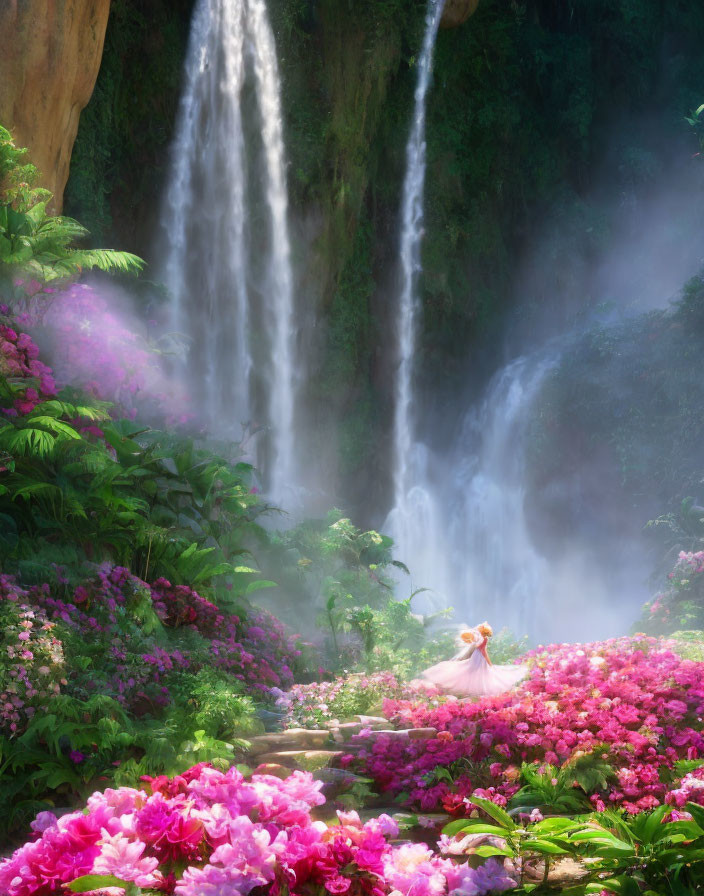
470	672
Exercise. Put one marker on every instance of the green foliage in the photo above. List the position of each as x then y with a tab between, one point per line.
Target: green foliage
697	123
343	698
320	562
563	790
121	150
39	765
154	502
505	647
89	882
82	744
630	856
689	645
343	574
217	705
36	243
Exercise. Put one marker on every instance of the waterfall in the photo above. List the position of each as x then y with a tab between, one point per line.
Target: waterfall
238	330
452	520
463	528
415	522
280	305
493	569
411	236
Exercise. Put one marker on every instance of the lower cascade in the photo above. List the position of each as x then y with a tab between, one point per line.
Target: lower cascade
227	198
463	522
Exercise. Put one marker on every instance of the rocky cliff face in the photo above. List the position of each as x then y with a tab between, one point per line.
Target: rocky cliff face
456	12
51	51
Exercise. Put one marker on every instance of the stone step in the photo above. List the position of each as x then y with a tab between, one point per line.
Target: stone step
372	721
336	781
272	768
345	730
309	760
292	738
398	734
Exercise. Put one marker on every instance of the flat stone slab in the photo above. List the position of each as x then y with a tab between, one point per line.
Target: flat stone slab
399	734
372	721
272	768
422	733
310	760
300	738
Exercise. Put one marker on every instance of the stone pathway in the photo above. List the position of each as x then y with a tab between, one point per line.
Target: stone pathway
316	748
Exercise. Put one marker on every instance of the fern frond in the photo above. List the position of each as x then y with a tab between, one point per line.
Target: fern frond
108	260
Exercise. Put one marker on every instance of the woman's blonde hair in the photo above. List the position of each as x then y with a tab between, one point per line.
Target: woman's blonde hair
485	629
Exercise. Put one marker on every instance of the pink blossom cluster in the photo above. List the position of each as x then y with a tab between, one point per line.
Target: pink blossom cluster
31	658
630	698
19	362
673	608
211	833
689	790
342	698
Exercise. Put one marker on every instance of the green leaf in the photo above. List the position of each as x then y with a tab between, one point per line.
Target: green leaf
99	881
624	885
487	851
456	826
259	586
549	847
555	826
496	812
697	813
652	823
481	828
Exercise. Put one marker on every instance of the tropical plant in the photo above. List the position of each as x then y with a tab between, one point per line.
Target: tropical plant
632	856
564	790
33	241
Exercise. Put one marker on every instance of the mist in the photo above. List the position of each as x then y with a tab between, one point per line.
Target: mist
511	519
97	340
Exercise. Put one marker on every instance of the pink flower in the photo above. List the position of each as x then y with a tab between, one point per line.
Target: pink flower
123	858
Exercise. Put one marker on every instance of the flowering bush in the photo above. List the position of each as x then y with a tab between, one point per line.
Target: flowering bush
257	651
690	789
109	632
210	833
31	658
345	697
31	381
630	700
681	605
136	666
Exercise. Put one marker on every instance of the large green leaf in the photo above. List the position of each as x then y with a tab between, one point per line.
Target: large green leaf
101	881
496	812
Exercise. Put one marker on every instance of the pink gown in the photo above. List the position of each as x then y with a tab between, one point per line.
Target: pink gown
469	673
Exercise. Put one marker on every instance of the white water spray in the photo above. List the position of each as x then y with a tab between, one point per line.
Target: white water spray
207	265
493	569
463	528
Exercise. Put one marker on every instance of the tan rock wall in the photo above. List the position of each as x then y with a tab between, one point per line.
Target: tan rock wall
50	52
457	11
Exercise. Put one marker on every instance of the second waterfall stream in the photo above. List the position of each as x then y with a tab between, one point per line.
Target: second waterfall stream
452	519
